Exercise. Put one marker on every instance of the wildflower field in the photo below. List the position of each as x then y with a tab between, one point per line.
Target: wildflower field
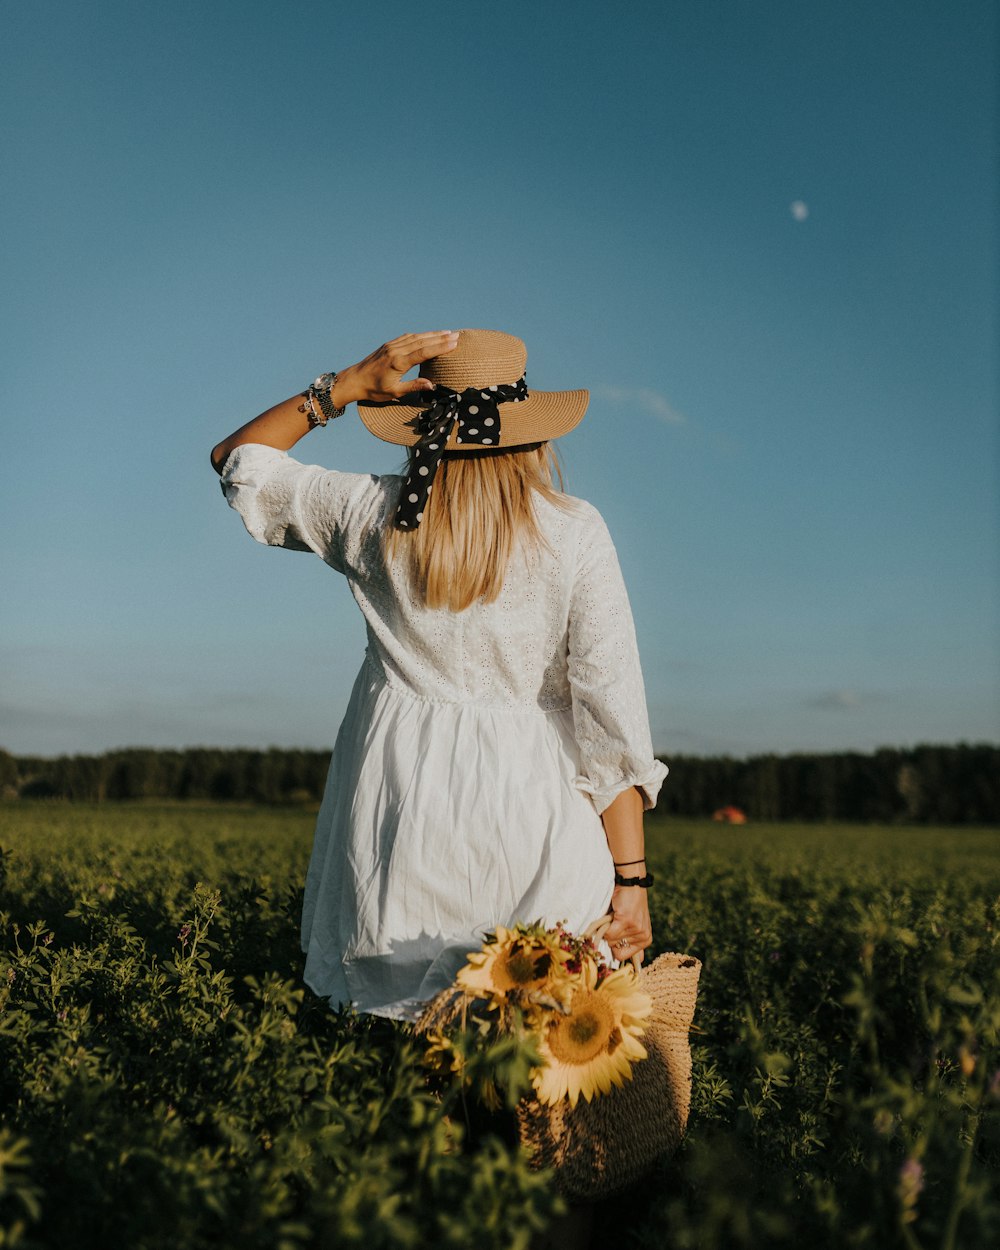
167	1081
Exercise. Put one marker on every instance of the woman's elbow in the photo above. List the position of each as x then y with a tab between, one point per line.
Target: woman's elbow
220	453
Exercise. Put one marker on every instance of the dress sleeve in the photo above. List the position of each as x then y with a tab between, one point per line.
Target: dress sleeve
303	507
610	720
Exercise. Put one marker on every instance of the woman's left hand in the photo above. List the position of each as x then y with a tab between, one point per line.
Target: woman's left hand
630	932
379	377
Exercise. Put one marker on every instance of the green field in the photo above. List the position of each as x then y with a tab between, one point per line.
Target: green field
166	1080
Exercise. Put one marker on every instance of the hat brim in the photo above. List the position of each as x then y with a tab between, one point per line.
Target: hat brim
542	416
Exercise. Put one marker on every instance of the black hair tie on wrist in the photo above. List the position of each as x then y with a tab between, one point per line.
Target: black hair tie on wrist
642	882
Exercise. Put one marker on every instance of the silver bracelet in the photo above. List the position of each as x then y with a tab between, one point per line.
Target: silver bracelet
319	393
309	408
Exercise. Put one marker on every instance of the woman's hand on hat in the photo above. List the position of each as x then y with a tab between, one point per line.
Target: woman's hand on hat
379	377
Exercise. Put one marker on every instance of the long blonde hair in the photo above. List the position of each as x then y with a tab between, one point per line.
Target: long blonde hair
479	509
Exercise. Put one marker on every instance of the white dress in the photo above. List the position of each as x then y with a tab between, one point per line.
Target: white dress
478	748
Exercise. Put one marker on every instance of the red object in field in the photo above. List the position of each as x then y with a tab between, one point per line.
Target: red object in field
730	815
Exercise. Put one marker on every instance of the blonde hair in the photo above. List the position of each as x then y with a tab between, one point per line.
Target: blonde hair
479	509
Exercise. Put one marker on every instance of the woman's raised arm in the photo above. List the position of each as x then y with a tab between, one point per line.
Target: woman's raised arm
379	378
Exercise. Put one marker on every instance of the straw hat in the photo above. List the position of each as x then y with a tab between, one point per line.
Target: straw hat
483	358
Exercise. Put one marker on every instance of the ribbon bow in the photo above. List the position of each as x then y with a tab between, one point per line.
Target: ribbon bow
477	411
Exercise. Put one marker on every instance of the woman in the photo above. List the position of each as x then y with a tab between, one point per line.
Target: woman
495	760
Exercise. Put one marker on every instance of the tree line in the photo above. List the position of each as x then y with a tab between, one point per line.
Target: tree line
217	774
946	785
918	785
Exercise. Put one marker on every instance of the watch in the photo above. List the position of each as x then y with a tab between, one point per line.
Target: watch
319	393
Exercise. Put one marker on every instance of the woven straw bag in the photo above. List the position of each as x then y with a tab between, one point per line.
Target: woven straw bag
601	1147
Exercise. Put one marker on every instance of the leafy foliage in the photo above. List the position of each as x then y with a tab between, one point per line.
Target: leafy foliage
847	1074
155	1092
166	1079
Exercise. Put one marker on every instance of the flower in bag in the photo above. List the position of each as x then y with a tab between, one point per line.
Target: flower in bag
520	961
593	1045
586	1020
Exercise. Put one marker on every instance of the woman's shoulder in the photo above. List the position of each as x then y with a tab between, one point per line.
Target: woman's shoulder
570	513
574	530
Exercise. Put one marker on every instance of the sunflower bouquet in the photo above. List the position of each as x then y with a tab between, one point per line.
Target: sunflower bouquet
582	1020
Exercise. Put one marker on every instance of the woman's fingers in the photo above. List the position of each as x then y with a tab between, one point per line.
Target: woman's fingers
622	941
381	374
414	386
636	927
623	950
414	349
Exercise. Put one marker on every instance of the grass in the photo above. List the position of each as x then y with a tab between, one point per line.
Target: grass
163	1069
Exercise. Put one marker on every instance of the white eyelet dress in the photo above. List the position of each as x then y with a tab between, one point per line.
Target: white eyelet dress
478	748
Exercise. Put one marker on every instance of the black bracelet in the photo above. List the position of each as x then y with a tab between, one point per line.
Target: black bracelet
325	400
642	882
624	863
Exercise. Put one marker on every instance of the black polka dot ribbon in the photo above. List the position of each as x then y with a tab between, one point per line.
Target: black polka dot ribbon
477	411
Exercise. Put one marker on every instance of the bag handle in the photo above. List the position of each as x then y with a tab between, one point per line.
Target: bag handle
597	929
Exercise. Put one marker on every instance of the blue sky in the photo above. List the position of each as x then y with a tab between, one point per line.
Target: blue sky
763	235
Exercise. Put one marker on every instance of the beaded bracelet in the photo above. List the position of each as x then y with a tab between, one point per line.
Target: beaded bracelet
309	408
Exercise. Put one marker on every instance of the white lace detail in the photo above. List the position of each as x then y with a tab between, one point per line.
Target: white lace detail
560	634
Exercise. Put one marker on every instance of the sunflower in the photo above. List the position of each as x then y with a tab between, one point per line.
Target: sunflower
525	960
593	1045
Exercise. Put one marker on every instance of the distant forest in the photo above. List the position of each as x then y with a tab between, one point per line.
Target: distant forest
920	785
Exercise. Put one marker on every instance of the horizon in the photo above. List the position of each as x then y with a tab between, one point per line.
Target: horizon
660	755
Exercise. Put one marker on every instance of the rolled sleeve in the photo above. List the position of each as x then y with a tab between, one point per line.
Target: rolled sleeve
610	720
302	507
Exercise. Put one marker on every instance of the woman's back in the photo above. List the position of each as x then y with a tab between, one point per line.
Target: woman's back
514	652
484	739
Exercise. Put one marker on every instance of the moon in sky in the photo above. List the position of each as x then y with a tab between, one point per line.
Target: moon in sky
799	209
